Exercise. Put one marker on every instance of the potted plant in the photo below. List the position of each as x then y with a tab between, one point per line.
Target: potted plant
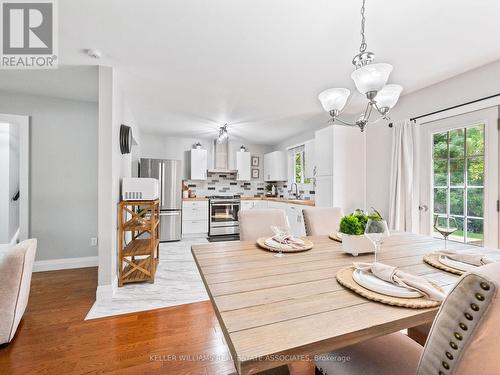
352	228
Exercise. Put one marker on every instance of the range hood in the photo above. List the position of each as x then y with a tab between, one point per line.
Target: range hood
221	158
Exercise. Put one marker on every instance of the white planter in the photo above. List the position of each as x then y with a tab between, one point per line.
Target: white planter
356	244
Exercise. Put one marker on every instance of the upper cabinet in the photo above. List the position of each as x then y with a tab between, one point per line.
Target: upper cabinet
243	166
324	150
199	160
309	159
275	166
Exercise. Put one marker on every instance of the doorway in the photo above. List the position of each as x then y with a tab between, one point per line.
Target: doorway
459	176
14	169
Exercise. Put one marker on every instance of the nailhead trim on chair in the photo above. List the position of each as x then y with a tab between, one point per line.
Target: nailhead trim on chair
463	327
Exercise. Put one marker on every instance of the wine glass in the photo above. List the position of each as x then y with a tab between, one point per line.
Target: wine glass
281	233
376	231
445	225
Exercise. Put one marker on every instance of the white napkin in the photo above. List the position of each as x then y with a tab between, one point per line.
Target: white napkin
473	258
401	278
284	240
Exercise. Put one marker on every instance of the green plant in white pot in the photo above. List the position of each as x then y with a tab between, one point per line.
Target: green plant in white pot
352	228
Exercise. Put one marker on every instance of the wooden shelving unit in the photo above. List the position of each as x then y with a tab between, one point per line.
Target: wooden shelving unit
138	256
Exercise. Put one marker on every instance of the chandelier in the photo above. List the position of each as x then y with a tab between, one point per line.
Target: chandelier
223	134
370	80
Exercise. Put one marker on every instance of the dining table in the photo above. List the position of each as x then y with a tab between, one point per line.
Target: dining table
274	311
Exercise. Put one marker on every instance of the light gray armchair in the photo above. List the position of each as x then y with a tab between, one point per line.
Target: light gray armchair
463	339
16	267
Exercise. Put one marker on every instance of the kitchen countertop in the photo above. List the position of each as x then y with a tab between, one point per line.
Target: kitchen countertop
304	202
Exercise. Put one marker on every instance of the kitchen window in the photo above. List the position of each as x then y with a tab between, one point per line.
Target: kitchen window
296	163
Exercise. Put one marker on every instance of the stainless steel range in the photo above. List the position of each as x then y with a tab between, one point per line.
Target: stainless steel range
223	214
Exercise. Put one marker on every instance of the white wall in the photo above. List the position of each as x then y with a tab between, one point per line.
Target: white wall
63	178
165	147
112	167
472	85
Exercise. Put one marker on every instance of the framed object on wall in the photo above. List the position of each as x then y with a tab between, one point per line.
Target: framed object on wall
255	161
255	173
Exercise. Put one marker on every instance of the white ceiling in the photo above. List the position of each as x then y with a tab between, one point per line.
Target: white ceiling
187	66
67	82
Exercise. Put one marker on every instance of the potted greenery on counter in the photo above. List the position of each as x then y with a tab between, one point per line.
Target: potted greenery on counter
352	228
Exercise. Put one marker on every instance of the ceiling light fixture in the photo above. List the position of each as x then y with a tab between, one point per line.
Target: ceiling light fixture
223	135
370	80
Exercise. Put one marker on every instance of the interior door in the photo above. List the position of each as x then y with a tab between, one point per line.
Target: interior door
459	176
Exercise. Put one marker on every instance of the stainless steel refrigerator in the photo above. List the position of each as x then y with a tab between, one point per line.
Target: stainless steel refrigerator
169	175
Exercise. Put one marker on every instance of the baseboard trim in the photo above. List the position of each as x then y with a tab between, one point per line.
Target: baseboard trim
64	264
106	292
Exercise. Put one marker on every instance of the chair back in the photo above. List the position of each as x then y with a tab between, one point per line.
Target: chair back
322	221
464	335
16	267
256	223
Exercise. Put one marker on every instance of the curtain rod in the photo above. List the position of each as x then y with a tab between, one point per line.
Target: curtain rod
453	107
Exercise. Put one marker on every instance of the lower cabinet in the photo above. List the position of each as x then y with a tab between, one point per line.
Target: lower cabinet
296	220
195	218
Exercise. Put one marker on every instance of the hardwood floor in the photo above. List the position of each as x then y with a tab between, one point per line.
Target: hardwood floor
54	338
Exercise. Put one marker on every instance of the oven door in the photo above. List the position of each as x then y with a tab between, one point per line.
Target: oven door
223	214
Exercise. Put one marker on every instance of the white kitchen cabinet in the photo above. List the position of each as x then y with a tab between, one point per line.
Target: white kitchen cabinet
323	142
340	168
246	205
276	205
309	159
243	166
261	204
199	164
275	166
296	220
194	217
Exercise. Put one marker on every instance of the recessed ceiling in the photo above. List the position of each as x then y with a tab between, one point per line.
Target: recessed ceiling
188	66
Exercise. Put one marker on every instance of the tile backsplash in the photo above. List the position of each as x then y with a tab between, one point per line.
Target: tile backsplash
226	184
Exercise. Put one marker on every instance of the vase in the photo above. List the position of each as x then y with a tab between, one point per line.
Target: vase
356	244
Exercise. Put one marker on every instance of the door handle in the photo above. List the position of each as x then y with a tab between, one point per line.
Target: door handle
423	207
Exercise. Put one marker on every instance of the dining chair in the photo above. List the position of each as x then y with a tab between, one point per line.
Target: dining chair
16	267
322	221
256	223
462	340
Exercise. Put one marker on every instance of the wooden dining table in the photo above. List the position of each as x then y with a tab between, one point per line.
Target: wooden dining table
274	311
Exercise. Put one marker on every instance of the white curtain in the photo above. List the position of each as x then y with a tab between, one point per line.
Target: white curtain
404	184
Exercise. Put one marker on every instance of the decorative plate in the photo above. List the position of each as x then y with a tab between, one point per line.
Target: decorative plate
372	282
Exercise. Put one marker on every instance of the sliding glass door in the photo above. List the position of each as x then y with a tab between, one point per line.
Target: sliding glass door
459	176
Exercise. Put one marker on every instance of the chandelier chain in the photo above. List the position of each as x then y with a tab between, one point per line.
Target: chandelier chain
362	47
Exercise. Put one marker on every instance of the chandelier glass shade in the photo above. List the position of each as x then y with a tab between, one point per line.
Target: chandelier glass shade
370	80
334	99
371	77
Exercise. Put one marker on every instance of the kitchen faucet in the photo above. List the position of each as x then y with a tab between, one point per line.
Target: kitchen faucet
296	194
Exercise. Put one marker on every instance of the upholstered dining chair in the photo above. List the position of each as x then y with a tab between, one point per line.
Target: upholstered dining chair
16	266
463	338
322	221
257	223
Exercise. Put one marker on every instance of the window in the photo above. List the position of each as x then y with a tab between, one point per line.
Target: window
458	181
297	158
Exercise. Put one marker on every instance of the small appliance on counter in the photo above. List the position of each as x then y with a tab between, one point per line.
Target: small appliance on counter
140	189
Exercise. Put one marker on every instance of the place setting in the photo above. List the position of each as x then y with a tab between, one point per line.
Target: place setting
453	261
283	242
385	283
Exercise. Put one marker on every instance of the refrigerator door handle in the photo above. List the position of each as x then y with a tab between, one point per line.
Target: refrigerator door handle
174	213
